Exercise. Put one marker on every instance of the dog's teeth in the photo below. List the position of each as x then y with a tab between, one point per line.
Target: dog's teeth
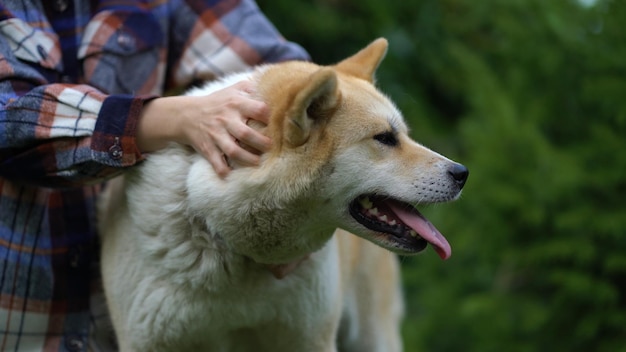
374	211
392	223
383	218
366	203
413	233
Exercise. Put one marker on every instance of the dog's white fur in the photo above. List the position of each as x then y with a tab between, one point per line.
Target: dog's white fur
192	262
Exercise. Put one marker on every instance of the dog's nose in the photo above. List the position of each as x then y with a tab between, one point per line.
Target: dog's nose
459	173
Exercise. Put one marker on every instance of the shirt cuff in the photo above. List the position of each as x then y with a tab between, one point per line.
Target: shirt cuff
114	141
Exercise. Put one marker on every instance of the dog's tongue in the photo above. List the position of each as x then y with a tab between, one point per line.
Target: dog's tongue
424	228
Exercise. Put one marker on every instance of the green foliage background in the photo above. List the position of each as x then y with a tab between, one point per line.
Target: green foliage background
531	96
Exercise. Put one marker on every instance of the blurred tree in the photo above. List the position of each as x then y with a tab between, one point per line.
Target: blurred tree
530	95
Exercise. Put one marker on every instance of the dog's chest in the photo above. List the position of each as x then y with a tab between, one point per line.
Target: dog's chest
252	305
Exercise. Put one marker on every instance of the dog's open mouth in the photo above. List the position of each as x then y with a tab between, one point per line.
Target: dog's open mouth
401	222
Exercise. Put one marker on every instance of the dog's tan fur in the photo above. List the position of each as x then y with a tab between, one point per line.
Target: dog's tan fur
252	262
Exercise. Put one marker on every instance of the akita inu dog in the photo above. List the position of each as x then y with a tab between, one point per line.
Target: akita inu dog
253	262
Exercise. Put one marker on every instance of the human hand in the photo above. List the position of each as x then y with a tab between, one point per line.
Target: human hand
214	125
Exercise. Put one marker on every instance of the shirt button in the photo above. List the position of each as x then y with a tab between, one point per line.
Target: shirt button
60	5
74	343
116	152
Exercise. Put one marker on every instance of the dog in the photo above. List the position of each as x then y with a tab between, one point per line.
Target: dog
255	261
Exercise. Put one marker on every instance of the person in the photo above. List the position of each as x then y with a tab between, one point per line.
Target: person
83	96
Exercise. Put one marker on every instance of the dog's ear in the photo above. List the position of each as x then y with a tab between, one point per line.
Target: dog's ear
364	63
312	105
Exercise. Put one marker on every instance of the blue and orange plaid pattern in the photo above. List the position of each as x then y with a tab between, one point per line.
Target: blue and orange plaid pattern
74	76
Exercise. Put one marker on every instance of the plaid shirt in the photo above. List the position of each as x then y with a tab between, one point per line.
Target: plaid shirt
74	76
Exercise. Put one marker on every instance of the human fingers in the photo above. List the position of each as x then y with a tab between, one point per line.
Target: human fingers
238	110
214	155
222	150
235	153
218	127
219	164
252	108
249	137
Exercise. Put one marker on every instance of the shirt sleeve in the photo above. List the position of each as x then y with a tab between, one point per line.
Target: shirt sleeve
213	38
51	134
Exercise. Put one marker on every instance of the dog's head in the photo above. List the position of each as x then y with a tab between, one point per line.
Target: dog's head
341	157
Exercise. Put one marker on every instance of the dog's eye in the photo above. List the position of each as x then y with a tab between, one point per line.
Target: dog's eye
387	138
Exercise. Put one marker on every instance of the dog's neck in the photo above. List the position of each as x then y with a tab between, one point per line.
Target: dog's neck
280	271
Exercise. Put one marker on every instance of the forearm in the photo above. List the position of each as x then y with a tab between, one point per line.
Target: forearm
159	124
